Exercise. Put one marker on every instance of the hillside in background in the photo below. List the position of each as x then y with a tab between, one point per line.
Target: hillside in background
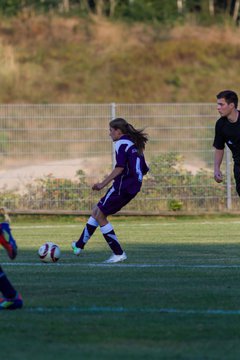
71	60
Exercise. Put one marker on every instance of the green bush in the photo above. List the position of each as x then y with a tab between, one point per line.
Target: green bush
172	187
58	193
167	187
9	199
175	205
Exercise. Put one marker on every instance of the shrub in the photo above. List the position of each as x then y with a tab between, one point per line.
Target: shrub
176	188
168	187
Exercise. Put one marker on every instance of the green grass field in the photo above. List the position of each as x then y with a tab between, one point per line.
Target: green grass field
176	297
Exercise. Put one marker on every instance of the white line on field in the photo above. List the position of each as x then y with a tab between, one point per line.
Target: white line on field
103	309
138	224
182	266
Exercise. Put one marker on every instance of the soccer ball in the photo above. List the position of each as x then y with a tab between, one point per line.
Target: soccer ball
49	252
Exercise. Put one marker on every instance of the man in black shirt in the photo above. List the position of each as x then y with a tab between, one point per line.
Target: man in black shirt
227	131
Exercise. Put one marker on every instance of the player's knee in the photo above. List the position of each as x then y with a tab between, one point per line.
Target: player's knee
96	213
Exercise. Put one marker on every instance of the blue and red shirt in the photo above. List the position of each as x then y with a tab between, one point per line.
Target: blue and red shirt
133	164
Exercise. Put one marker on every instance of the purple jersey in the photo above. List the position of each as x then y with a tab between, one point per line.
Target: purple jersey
133	164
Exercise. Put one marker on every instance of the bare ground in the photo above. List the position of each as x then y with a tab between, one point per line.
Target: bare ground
16	178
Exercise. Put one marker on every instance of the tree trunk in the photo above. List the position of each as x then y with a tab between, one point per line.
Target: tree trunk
211	7
100	7
236	10
65	6
112	4
180	6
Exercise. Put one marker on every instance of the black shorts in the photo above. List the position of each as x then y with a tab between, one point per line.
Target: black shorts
236	170
113	201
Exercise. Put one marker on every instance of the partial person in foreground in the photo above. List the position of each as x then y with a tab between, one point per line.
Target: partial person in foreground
227	131
127	179
11	299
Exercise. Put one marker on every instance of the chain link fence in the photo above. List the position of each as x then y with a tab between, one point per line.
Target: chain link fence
51	154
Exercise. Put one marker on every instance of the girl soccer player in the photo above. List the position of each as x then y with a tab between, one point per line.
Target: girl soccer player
127	181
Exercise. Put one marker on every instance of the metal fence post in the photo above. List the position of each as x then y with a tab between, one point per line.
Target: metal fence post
113	116
228	177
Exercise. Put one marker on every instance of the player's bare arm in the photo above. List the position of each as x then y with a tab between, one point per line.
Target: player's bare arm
99	186
218	157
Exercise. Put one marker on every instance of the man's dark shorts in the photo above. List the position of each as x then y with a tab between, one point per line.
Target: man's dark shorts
236	170
113	201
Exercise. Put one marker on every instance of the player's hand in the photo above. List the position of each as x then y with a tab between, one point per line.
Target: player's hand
97	186
218	176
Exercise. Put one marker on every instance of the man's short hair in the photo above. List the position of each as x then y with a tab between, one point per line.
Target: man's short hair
230	97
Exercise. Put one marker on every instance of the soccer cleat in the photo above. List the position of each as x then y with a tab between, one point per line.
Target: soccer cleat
11	304
116	258
7	240
76	250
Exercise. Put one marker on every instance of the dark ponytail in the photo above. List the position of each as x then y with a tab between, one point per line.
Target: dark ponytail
137	135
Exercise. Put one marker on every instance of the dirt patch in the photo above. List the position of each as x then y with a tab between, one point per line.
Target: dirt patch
16	178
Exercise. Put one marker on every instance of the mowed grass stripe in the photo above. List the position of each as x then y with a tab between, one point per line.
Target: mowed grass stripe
155	223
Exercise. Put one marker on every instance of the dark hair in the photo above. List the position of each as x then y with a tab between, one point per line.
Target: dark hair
137	135
230	97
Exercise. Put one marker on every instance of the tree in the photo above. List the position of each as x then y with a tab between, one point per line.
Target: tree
65	6
112	5
211	7
236	10
180	6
